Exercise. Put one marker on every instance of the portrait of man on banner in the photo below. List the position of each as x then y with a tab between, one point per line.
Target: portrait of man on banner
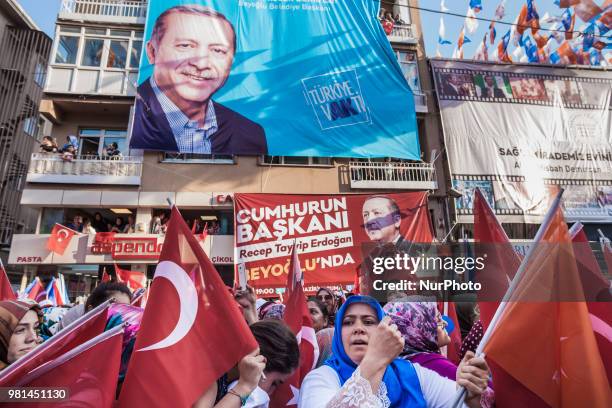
381	220
192	49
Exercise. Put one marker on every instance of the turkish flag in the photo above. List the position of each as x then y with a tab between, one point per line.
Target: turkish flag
105	276
545	322
454	347
76	333
607	252
204	233
34	289
60	239
88	371
587	9
501	263
6	291
297	317
133	279
597	293
192	331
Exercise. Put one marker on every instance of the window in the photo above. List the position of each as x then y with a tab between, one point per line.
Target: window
135	55
69	29
30	126
100	47
92	53
408	63
297	161
40	73
96	31
93	142
67	49
120	33
117	54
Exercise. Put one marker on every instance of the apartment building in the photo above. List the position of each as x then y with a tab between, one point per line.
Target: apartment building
89	94
24	50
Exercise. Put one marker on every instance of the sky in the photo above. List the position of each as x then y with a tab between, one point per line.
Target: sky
44	13
431	22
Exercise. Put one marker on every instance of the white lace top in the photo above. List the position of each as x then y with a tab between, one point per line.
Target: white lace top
322	389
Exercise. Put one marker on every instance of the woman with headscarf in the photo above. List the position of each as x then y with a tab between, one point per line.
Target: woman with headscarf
328	297
19	330
424	332
365	349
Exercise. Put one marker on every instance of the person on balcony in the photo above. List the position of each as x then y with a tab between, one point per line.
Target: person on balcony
76	224
130	226
388	23
99	223
112	151
87	227
119	225
68	153
48	145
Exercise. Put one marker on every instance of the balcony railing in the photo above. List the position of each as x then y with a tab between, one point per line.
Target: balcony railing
53	168
403	33
117	11
382	175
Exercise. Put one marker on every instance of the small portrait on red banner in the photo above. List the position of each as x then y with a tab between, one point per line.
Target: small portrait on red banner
382	219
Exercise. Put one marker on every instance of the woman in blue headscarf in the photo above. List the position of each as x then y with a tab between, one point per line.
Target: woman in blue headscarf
364	371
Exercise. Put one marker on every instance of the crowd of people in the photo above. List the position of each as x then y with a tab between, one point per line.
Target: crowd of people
370	355
101	224
198	226
388	21
69	151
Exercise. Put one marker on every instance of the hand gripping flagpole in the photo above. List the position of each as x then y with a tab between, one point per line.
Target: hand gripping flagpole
461	391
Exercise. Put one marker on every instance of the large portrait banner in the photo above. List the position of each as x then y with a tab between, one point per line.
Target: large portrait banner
334	234
272	77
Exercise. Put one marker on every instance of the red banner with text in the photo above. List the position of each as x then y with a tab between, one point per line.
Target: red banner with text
334	234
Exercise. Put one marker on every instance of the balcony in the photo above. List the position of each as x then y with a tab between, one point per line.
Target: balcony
382	176
52	168
104	11
420	102
403	33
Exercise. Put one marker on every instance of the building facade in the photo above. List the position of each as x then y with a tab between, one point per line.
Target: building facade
89	94
24	52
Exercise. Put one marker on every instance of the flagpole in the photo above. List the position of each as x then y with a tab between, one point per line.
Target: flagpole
461	391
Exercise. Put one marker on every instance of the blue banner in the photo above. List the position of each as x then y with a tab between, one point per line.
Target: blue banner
276	77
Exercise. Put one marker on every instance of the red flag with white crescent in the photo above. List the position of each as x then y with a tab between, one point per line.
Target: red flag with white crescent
60	239
6	291
192	330
86	327
133	279
89	372
105	276
297	317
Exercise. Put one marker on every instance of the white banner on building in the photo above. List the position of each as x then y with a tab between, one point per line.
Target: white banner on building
520	133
